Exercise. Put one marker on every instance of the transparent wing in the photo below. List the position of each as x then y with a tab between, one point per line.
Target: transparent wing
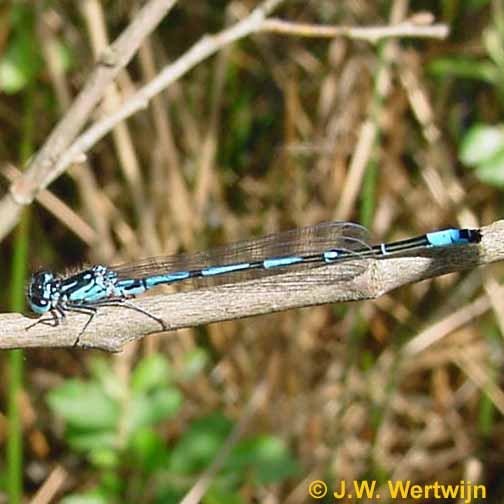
305	241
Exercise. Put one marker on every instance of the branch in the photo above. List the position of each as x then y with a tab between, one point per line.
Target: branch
113	327
370	33
204	48
113	60
60	150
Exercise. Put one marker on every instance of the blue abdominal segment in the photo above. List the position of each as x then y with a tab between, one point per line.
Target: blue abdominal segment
164	279
448	237
442	238
220	270
278	262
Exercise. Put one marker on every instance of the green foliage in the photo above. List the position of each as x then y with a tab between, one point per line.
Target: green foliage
150	373
482	148
114	425
488	68
86	498
465	68
476	4
101	415
21	63
85	405
199	443
266	457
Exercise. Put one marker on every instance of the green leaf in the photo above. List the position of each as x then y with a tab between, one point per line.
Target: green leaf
149	409
104	458
105	377
217	495
492	171
199	444
151	372
113	483
12	76
21	61
481	143
84	405
465	68
93	497
170	493
476	4
87	440
267	456
149	449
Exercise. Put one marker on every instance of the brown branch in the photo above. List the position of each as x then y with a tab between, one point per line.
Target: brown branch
115	326
54	205
205	47
39	173
373	34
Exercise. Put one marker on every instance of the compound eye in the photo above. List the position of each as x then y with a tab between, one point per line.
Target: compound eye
39	305
39	291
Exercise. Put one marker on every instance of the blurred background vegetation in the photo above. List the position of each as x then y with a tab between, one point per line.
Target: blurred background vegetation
260	138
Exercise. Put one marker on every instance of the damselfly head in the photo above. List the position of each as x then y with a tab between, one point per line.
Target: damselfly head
41	291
